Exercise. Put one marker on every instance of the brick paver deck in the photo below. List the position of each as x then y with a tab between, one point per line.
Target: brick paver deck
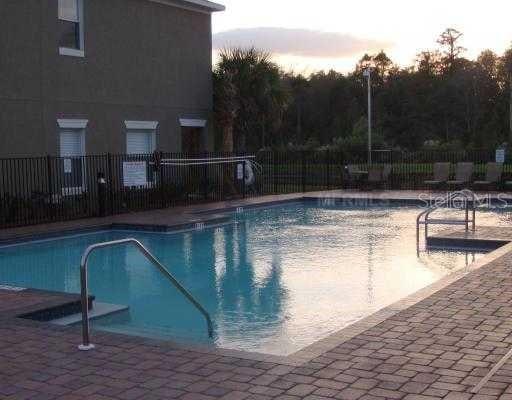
13	303
438	348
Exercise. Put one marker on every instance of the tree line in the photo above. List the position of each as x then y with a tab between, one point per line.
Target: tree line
443	101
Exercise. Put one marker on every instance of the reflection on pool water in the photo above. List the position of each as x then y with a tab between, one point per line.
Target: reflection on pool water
274	280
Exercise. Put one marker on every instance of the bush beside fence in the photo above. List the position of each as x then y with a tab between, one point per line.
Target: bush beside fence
49	189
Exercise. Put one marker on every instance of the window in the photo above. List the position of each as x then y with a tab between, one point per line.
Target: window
140	137
192	135
72	143
71	38
139	142
138	171
72	153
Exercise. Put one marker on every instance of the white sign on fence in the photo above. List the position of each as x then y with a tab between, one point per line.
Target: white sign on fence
135	173
500	156
240	171
68	166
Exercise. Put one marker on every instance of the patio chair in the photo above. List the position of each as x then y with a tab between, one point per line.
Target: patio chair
353	174
493	174
463	174
441	174
386	172
354	171
376	176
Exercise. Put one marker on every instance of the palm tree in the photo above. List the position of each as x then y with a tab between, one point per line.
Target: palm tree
249	95
225	100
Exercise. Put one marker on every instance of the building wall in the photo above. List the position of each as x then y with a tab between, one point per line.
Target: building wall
143	61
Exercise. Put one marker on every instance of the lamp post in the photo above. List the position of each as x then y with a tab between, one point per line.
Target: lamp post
367	73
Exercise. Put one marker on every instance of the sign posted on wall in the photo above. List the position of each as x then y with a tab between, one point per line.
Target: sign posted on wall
135	173
68	166
500	156
240	171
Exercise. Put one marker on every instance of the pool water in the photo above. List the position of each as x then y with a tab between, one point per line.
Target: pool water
274	280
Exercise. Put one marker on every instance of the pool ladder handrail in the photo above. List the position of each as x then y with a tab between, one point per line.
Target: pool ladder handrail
86	344
423	217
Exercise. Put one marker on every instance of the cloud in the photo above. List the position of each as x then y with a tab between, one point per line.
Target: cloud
298	42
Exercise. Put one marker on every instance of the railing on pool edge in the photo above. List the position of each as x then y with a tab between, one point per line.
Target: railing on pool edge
467	195
86	344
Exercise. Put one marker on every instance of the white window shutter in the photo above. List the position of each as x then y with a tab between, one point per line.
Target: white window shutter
71	143
140	142
68	10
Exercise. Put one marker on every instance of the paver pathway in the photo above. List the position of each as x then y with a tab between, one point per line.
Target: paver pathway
437	349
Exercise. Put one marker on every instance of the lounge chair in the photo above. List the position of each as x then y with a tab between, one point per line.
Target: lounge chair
353	174
376	176
386	172
463	174
375	173
441	174
493	174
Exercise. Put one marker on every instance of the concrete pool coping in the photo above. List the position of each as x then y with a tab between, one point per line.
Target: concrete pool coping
485	237
213	213
341	336
185	217
38	305
49	300
436	350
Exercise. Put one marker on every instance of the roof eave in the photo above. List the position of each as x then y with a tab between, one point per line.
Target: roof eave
194	5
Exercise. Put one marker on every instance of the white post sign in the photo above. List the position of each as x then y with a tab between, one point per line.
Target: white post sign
240	171
135	173
500	156
68	166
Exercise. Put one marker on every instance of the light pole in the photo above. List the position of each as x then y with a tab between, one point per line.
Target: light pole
367	73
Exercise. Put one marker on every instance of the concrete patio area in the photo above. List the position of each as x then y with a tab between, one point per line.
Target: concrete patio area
437	344
183	215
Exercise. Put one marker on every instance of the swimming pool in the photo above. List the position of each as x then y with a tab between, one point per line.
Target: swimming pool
274	280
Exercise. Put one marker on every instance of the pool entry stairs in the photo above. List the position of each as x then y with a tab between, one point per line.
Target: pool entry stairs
86	344
469	201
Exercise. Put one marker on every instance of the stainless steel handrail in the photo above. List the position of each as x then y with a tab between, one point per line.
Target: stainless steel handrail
86	344
466	193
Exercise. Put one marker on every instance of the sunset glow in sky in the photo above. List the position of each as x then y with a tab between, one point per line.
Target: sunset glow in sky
324	34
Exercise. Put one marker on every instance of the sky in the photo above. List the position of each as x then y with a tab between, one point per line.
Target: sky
311	35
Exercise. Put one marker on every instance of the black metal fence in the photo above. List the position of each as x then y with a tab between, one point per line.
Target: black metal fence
48	189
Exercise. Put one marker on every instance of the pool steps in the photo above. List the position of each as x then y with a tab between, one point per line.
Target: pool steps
98	310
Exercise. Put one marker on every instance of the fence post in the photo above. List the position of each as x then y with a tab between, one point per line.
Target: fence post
49	175
390	183
102	194
274	172
243	179
205	181
159	166
303	171
110	184
328	156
